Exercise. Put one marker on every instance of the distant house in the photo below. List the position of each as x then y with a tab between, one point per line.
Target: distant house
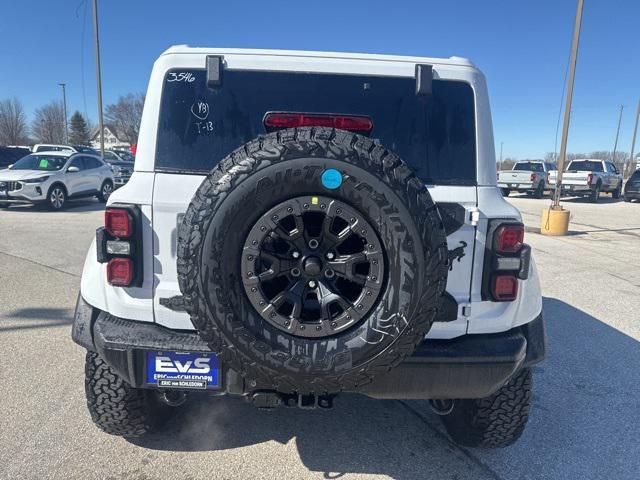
110	138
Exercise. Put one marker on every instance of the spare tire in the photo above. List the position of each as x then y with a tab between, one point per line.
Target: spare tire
312	260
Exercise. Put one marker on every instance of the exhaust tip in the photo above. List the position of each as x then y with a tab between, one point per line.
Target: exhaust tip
442	407
173	398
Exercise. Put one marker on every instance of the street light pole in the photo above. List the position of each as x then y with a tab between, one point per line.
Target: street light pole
96	37
615	145
501	144
633	143
64	103
567	109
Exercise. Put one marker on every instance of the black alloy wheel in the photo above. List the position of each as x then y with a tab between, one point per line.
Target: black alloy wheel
313	266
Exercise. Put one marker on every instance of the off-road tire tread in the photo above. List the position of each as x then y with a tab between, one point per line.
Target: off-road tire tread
495	421
311	141
115	406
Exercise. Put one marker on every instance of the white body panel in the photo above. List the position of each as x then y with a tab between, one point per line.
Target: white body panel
578	181
165	196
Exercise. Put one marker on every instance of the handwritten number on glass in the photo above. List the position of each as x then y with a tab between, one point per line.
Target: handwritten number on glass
204	127
186	77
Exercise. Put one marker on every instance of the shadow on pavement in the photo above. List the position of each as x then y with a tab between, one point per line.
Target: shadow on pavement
22	318
84	205
583	424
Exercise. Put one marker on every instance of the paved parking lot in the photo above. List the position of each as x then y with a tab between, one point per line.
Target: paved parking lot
584	422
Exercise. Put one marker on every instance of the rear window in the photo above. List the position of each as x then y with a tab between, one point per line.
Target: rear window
198	126
585	166
529	166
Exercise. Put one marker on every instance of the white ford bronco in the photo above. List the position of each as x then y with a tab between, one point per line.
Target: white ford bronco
301	224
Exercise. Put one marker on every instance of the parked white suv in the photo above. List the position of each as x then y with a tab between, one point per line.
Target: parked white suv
285	246
54	177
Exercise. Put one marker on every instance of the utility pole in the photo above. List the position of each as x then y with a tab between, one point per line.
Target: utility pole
501	144
64	103
615	145
567	109
96	37
630	167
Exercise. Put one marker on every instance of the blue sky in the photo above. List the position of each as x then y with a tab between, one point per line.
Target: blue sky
522	46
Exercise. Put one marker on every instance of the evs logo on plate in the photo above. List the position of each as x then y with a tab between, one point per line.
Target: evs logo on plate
182	370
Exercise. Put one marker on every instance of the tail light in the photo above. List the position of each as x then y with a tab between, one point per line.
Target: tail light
504	288
532	178
119	245
353	123
120	271
118	222
509	238
507	260
590	179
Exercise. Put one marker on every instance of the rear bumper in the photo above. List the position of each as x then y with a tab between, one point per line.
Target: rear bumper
471	366
516	186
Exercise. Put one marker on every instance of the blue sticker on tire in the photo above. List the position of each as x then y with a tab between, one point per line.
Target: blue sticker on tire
331	179
183	370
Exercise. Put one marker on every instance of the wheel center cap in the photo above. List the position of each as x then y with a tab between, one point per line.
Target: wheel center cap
312	266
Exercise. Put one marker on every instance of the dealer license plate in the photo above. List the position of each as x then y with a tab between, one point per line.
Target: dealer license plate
182	370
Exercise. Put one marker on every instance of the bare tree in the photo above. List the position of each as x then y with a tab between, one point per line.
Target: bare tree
48	124
124	116
13	123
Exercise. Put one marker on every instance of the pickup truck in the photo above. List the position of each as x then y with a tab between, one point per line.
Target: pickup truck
589	177
526	177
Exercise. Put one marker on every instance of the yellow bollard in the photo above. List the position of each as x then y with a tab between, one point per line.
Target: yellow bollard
554	221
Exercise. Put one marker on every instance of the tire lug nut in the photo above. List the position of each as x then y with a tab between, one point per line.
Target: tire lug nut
313	244
312	284
330	256
295	254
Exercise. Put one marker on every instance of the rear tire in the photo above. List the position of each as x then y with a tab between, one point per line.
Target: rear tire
495	421
539	192
594	197
505	192
617	193
115	406
105	191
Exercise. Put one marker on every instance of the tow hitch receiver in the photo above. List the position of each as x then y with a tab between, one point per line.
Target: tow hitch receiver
270	399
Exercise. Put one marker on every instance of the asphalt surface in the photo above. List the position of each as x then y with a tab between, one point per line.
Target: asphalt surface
584	422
